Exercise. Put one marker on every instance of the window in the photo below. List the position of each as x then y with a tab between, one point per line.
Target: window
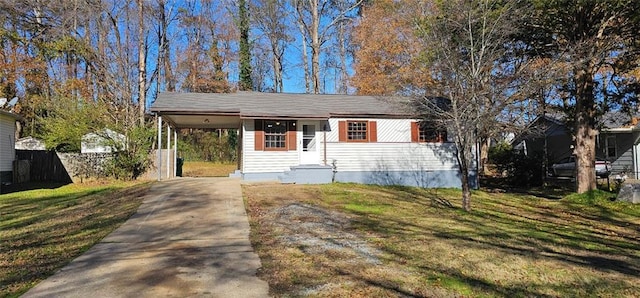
427	132
611	147
275	135
357	131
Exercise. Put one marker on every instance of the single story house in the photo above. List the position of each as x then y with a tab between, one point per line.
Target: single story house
102	141
7	143
312	138
618	141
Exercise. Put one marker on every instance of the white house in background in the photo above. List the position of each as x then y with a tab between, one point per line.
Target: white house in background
307	138
7	142
102	141
30	143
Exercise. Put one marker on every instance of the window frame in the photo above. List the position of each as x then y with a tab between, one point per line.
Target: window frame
289	137
283	135
370	131
420	130
362	124
608	146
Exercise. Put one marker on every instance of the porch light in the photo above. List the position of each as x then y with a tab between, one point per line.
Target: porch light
206	120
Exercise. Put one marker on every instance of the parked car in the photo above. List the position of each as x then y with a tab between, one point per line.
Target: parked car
566	167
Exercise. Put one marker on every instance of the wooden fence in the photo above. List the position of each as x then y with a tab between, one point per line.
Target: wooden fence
44	165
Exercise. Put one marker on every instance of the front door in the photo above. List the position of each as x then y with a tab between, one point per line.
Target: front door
309	150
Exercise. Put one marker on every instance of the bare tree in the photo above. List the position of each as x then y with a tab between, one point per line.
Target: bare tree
269	17
317	20
142	63
475	75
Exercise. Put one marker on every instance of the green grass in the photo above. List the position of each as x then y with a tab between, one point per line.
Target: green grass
509	245
207	169
43	229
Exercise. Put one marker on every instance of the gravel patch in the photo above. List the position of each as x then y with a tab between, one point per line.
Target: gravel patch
316	231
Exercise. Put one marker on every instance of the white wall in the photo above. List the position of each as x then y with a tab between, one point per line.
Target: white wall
263	161
7	142
393	151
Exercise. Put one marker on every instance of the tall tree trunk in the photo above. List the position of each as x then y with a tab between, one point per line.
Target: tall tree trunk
342	84
305	58
246	83
142	68
164	57
315	46
464	165
585	147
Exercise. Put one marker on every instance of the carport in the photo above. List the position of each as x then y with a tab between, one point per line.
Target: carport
175	111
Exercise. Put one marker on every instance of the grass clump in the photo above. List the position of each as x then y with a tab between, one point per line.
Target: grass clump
44	229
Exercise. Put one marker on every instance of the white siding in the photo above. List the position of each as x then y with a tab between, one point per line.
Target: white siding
7	151
263	161
393	151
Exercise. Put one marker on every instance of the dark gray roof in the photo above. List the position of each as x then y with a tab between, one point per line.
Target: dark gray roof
256	104
12	115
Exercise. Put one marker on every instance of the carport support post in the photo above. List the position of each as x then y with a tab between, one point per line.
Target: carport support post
169	163
175	152
159	148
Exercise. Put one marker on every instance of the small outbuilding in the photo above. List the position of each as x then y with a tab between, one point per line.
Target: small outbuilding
7	144
104	141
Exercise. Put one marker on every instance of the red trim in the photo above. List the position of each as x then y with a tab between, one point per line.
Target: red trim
415	132
372	132
259	135
342	131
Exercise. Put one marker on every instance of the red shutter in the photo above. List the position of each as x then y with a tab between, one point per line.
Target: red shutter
259	139
373	131
291	135
415	132
342	131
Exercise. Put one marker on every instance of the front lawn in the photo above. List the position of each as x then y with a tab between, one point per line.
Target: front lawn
43	229
207	169
342	240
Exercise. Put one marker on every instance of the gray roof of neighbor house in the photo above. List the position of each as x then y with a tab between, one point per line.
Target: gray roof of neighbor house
288	105
12	115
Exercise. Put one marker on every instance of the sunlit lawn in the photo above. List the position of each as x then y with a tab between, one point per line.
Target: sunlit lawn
510	245
43	229
207	169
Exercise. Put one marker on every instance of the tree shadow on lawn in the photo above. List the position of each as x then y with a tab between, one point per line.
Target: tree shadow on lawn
18	187
582	240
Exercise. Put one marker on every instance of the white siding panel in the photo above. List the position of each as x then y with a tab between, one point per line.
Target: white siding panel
393	151
392	156
263	161
7	151
389	130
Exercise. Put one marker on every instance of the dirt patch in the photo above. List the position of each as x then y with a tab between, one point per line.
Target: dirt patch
315	231
310	249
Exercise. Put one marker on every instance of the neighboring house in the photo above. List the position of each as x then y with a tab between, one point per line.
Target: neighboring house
102	141
30	143
305	138
617	142
7	140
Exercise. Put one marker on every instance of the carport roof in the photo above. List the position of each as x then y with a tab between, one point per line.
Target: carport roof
277	105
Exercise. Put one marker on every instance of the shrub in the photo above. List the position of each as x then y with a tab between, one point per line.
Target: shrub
132	161
521	170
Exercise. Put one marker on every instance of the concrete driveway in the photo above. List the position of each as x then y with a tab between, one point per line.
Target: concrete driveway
190	238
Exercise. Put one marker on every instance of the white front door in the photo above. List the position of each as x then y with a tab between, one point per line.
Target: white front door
309	149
